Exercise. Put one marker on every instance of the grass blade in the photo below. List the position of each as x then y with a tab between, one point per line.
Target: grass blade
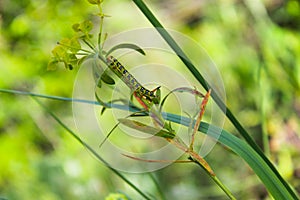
172	43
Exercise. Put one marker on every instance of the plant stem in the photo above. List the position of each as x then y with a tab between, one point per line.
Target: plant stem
223	187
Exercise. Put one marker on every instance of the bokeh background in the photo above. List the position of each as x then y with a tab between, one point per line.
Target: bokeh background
254	43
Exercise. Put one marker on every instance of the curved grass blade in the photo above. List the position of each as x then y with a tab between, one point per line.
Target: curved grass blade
261	168
126	46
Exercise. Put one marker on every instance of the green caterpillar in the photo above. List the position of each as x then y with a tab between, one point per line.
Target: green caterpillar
129	80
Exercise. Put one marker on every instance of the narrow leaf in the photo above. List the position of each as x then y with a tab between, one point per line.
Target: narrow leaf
126	46
146	129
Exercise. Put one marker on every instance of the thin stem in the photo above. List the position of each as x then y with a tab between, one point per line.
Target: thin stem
199	118
82	54
90	44
214	177
223	187
101	57
100	27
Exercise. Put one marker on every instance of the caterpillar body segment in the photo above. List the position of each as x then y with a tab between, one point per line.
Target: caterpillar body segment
131	82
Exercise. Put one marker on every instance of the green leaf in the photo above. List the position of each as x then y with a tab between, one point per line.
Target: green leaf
98	71
146	129
126	46
76	27
70	45
86	26
65	42
75	44
258	165
95	2
59	52
107	79
61	55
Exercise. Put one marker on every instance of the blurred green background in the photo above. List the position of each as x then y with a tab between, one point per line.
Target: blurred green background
255	45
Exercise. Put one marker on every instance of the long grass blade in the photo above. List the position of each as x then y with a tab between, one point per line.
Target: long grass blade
172	43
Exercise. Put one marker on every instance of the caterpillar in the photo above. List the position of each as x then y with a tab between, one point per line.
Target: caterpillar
129	79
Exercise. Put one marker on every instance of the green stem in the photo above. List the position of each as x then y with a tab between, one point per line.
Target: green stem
209	172
168	38
89	43
223	187
100	28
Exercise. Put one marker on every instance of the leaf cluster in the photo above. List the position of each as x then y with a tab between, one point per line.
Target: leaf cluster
69	50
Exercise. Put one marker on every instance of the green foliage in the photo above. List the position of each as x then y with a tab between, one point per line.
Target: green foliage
256	51
85	27
65	52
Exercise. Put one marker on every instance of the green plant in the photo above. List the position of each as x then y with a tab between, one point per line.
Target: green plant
250	153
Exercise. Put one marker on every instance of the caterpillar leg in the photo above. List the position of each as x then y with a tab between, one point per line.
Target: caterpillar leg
141	101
